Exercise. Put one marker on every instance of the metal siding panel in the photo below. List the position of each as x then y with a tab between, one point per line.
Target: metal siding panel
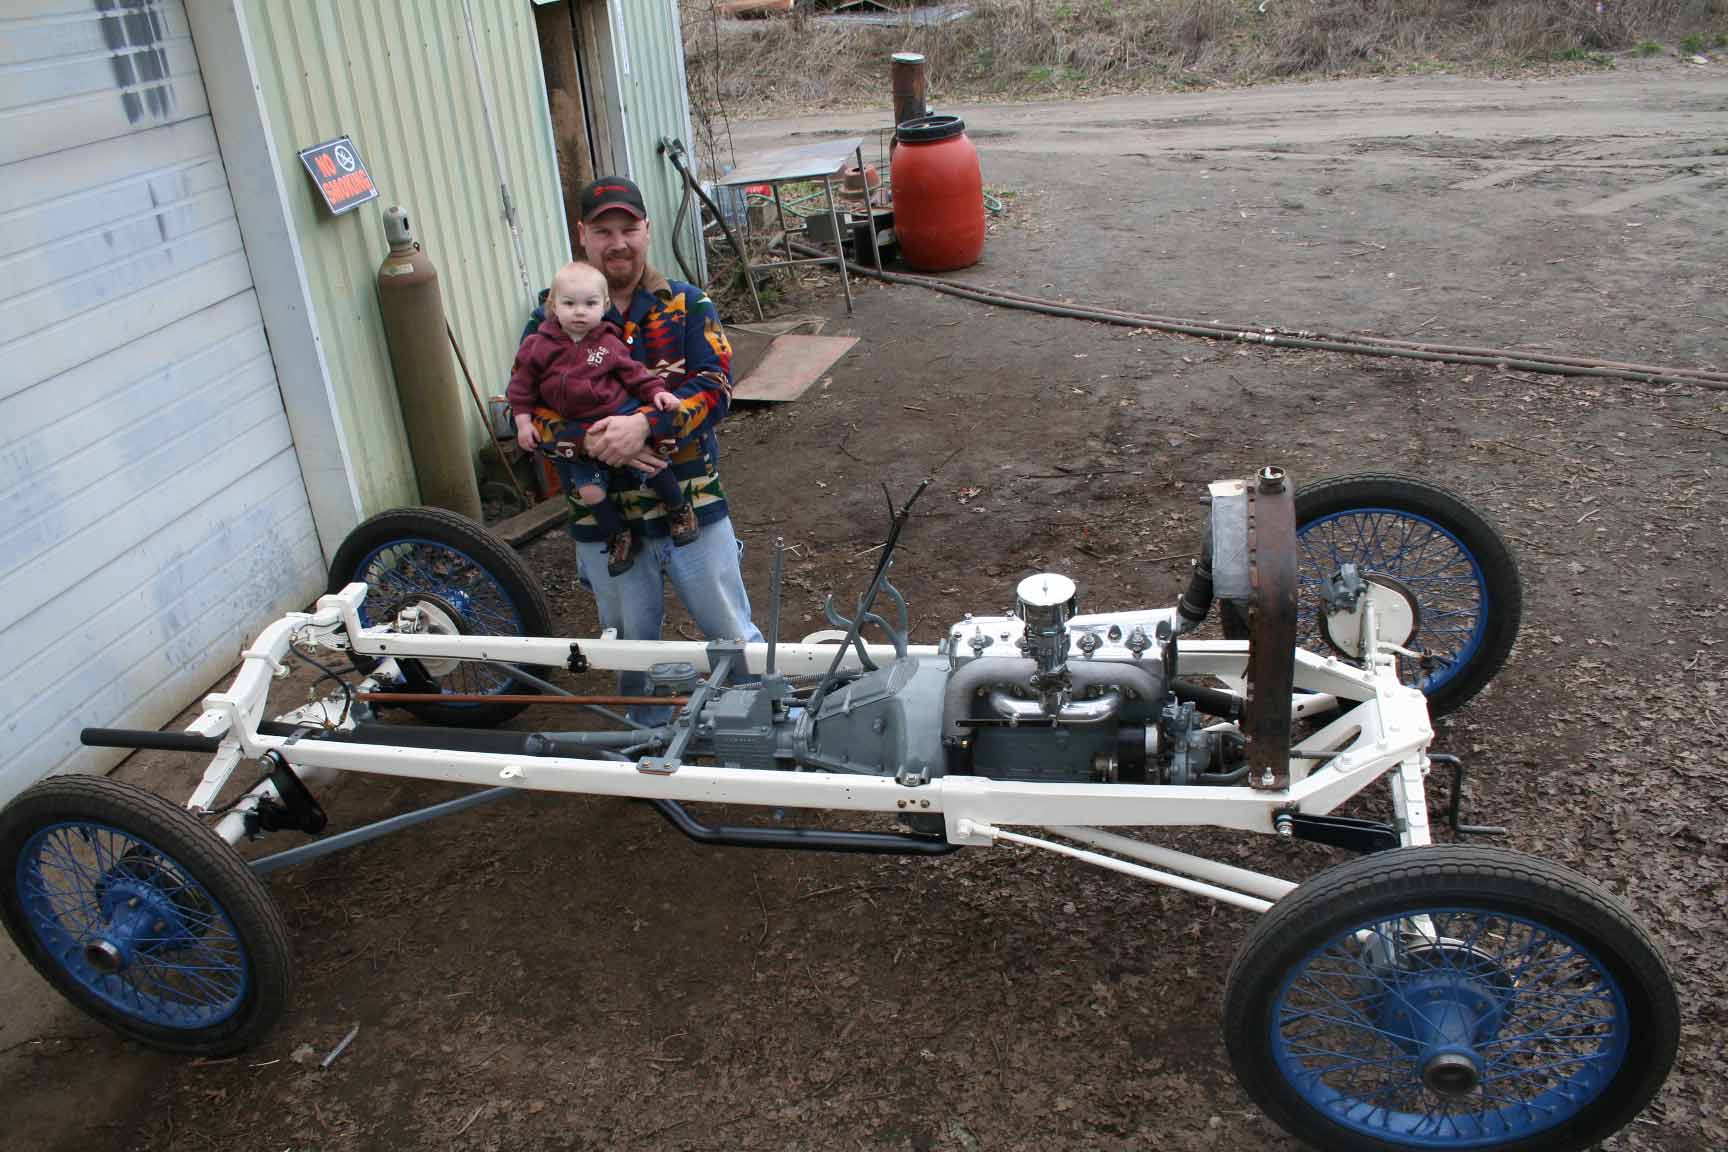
59	31
111	380
137	453
60	282
65	178
399	77
228	589
44	351
61	94
95	73
241	439
93	211
656	106
118	437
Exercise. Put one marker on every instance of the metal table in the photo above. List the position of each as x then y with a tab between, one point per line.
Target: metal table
821	161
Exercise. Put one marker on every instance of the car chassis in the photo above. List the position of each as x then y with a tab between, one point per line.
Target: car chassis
1419	995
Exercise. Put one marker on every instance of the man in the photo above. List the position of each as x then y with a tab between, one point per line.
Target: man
672	328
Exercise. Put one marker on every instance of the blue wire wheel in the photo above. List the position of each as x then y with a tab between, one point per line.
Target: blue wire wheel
131	925
1455	571
464	581
1450	999
141	916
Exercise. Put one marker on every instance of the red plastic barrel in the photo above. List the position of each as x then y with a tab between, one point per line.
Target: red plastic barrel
938	195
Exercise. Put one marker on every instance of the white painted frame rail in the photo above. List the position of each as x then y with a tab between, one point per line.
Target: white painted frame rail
1383	729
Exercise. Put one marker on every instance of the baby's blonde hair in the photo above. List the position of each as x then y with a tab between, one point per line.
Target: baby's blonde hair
577	271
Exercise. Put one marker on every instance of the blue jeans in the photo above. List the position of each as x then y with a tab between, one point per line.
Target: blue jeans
706	575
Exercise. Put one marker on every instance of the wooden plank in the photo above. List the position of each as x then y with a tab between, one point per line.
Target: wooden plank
553	24
754	7
792	364
605	113
519	529
748	348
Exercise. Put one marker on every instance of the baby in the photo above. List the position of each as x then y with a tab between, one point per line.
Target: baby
576	365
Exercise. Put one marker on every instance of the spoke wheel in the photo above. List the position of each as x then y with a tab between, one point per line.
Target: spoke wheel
141	916
1459	573
465	581
1450	998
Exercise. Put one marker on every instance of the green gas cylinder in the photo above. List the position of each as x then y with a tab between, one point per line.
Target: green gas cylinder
432	408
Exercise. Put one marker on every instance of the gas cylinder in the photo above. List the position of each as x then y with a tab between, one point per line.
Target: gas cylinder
432	410
938	194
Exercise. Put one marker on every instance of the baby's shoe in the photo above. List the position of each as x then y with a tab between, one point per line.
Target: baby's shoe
620	552
681	522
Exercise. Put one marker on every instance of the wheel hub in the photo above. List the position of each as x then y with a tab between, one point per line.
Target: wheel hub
440	616
1443	1011
137	917
1397	616
1452	1073
105	956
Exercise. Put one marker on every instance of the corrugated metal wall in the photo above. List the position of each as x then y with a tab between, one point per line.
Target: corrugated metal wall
650	52
398	77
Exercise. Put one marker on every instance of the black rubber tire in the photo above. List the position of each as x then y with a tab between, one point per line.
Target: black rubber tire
1406	881
192	847
1502	588
491	558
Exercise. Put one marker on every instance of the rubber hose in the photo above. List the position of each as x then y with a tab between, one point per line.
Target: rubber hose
1212	701
1495	355
678	233
1379	347
1517	361
719	217
1490	355
1196	599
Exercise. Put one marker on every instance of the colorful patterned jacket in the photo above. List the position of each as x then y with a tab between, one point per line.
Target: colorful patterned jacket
675	331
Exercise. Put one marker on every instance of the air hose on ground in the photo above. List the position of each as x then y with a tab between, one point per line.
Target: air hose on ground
1522	361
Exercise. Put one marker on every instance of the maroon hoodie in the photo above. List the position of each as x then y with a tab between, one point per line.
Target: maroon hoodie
580	380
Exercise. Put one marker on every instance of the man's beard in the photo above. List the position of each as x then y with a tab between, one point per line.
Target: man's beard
626	277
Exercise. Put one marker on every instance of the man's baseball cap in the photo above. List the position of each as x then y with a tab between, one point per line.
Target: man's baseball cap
610	192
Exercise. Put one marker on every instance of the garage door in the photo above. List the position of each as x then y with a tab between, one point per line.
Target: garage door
152	513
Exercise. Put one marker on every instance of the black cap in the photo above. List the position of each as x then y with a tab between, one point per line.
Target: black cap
612	192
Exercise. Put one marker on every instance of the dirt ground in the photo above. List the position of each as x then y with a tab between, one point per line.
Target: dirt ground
569	973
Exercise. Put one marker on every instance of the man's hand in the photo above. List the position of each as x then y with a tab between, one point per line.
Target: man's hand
621	441
526	439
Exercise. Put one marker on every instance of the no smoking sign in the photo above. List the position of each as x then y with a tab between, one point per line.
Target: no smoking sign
336	168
